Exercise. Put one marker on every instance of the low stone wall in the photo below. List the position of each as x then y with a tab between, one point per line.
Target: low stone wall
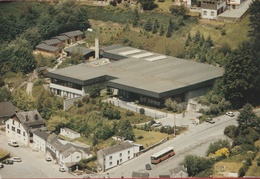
68	103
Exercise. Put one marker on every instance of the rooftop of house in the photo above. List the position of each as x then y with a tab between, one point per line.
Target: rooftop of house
42	134
76	49
72	33
61	37
116	148
7	109
51	42
47	47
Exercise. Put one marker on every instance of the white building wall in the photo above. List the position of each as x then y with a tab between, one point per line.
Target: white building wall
39	143
15	130
72	158
115	159
66	91
208	14
67	133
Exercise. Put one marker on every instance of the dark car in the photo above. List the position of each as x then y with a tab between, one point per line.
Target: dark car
148	166
1	165
8	162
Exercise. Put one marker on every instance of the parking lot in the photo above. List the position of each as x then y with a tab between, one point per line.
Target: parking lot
33	163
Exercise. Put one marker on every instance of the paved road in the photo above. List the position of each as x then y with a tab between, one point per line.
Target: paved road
194	141
33	164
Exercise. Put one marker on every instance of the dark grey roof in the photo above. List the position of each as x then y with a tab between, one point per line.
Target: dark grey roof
30	119
61	37
42	134
47	47
72	33
117	148
140	175
7	109
75	49
112	56
112	47
51	42
68	149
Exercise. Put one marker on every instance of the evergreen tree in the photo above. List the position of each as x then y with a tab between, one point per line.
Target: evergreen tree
161	30
148	25
155	26
135	18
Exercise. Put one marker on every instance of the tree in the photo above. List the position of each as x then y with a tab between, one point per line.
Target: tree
215	146
125	130
23	101
196	164
170	28
5	94
155	26
94	90
56	122
247	116
148	25
147	4
229	131
135	18
240	76
179	10
161	30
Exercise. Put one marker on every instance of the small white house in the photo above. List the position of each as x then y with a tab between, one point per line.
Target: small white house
116	155
69	133
39	140
65	152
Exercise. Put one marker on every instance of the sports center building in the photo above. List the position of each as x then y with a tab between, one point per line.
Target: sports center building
136	74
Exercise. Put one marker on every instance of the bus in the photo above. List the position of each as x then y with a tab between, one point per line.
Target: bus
162	155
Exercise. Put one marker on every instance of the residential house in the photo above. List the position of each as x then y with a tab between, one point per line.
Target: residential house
73	36
82	51
39	140
64	39
234	4
179	172
7	109
116	155
210	9
21	126
66	153
53	42
48	50
69	133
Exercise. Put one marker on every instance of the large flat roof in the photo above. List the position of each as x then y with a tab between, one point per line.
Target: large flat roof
143	72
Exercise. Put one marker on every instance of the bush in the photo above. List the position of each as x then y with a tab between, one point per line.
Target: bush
229	131
129	113
140	137
142	111
223	32
258	161
86	99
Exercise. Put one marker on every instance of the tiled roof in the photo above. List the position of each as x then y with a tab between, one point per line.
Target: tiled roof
73	33
42	134
116	148
7	109
51	42
47	47
82	50
30	119
61	37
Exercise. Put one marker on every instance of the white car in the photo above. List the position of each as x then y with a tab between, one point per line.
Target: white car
17	159
230	113
62	169
13	143
48	158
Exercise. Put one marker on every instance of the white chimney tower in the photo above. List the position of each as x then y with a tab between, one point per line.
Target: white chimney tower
96	48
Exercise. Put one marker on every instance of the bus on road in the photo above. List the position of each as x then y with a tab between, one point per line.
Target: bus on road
162	155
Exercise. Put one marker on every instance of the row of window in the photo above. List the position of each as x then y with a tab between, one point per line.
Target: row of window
120	155
18	131
206	13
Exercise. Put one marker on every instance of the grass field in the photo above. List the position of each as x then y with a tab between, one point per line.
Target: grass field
149	138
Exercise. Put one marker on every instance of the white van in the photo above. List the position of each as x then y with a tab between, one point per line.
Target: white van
13	143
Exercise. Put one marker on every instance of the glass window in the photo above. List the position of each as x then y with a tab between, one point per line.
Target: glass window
110	157
18	131
110	163
212	13
13	128
204	13
120	155
7	126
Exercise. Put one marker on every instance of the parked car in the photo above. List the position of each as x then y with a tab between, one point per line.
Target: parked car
148	166
230	113
209	120
62	169
48	158
157	124
13	143
17	159
1	165
8	162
